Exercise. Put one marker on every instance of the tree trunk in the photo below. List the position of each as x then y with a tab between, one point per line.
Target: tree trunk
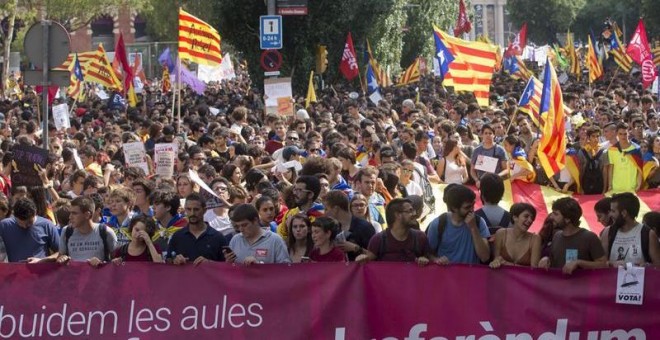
7	43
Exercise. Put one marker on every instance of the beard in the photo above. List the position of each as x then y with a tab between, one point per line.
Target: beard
301	201
618	222
559	225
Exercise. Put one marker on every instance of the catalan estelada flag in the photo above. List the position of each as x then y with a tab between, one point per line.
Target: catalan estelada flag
473	65
530	100
618	51
573	59
199	42
77	78
83	58
98	70
381	76
411	74
516	68
552	148
593	64
541	198
656	56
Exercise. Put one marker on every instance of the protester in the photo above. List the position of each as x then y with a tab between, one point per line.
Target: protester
516	245
573	247
355	232
28	237
324	231
300	243
141	248
253	244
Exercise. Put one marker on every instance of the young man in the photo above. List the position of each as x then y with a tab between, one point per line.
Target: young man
357	232
77	183
573	247
365	183
464	238
28	237
277	141
627	240
166	212
625	174
401	242
143	188
488	148
196	242
121	204
253	244
84	240
306	191
218	217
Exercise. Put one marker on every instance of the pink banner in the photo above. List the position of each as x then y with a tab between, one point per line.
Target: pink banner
319	301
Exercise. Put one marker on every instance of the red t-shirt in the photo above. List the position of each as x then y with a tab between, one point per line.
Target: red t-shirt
335	255
144	257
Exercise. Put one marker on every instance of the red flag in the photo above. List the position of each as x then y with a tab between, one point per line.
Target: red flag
348	65
52	92
518	44
640	51
463	24
122	58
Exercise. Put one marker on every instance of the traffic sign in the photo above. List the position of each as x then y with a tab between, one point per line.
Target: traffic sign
58	44
271	60
270	32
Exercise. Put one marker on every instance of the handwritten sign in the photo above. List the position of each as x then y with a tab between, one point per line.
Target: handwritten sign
135	155
274	89
486	163
61	116
25	166
164	155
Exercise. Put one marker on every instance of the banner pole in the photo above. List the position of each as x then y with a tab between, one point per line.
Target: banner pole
179	90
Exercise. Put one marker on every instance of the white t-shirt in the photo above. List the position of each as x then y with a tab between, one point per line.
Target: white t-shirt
627	246
414	189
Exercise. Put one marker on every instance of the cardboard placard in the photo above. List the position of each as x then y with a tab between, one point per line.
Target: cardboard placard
164	156
25	166
135	155
284	106
275	88
61	116
486	163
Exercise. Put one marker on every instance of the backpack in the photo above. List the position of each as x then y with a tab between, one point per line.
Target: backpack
103	232
645	232
429	198
592	176
383	244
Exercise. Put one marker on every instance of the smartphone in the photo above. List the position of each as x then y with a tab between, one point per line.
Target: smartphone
226	249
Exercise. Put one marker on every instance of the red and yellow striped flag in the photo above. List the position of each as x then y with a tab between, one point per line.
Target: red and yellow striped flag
83	58
199	42
552	148
166	83
594	66
98	70
473	66
618	51
656	56
411	74
574	60
381	76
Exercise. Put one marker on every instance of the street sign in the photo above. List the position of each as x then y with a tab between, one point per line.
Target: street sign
59	78
59	44
272	74
292	7
270	32
271	60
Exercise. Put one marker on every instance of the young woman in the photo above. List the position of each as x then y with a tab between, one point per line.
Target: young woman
266	208
452	166
516	246
140	248
299	242
185	186
407	169
324	230
518	165
233	173
360	208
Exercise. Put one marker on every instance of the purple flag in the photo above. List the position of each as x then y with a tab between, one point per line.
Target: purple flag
189	78
166	59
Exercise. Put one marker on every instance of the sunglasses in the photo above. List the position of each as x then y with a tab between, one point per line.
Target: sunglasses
292	138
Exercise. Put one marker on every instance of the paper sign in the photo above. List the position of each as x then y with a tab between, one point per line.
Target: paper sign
630	285
563	78
564	175
135	155
214	111
76	157
284	167
284	106
225	71
195	178
486	163
375	97
102	94
164	155
61	116
275	88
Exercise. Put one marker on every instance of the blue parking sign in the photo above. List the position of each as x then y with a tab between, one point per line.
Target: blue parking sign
270	32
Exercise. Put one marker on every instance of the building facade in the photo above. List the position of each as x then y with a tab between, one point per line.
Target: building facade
491	19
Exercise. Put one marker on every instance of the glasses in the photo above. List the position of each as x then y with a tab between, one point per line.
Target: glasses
358	205
295	139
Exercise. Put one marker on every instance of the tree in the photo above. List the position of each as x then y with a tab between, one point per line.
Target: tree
544	20
163	16
594	13
8	38
422	15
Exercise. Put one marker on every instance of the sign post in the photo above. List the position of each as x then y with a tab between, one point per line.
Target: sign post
270	32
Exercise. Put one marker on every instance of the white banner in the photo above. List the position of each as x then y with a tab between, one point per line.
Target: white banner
135	155
225	71
164	155
61	116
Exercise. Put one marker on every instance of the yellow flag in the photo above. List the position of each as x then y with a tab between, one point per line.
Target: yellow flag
198	41
311	93
132	97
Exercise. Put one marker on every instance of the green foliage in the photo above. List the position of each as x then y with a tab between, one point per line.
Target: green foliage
544	18
594	13
422	15
163	16
651	11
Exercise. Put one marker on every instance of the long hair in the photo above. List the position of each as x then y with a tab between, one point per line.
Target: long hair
291	241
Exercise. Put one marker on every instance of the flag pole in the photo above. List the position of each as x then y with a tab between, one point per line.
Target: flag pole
361	83
178	123
613	77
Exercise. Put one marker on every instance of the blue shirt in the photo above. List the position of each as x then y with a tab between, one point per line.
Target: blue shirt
209	245
35	241
457	244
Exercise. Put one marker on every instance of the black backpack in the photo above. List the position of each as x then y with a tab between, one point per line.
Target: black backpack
103	232
429	198
645	232
592	176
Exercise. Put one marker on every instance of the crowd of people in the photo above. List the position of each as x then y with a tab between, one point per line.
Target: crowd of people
343	179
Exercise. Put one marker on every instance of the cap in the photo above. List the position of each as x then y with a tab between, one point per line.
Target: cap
302	114
290	151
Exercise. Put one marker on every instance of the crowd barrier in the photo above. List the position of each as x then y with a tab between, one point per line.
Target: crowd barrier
320	301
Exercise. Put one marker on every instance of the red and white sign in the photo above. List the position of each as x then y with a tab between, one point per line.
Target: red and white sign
640	51
348	65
